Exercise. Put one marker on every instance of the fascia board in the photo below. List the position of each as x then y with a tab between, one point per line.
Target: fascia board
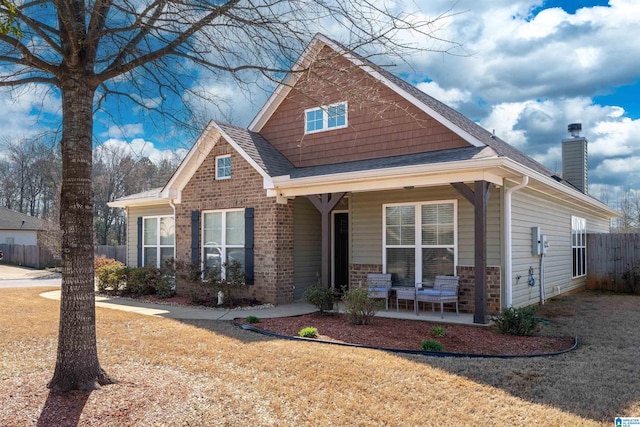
190	163
285	86
147	201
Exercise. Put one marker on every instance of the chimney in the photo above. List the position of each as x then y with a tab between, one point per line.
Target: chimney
574	158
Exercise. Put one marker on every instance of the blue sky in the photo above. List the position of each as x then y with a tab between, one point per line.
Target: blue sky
526	69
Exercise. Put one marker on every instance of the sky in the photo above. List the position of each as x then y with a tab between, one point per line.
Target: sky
524	69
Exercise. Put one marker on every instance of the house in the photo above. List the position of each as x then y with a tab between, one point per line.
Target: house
18	229
349	170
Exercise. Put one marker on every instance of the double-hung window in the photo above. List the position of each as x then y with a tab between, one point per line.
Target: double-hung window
158	239
579	246
420	241
325	118
223	238
223	167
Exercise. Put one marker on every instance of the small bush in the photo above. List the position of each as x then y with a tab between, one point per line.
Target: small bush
165	288
321	298
144	280
631	278
252	319
111	276
359	307
438	331
516	321
308	332
431	345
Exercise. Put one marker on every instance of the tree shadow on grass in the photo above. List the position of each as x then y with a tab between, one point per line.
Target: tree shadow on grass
63	409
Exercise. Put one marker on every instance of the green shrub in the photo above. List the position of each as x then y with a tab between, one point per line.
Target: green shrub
631	278
431	345
144	280
359	307
516	321
111	276
308	332
438	331
252	319
165	288
321	298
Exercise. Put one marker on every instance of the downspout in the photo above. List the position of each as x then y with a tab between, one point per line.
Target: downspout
507	244
174	224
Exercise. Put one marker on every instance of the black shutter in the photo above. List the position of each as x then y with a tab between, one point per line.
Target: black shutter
139	241
195	236
248	246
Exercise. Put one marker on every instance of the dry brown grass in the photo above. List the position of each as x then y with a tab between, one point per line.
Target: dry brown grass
211	373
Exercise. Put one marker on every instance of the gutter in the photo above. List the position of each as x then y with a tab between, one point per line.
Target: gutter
507	235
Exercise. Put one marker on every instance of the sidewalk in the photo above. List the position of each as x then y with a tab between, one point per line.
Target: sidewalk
192	313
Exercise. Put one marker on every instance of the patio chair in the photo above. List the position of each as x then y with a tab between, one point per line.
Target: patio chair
445	290
379	286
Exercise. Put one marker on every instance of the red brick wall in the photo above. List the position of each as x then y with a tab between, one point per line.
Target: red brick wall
273	236
359	273
380	122
466	300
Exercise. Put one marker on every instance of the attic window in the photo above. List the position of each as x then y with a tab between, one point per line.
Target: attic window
223	167
324	118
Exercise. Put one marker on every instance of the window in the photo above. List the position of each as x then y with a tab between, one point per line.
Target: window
157	240
222	238
419	241
325	118
223	167
579	246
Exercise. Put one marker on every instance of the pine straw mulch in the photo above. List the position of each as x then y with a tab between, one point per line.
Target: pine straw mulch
408	334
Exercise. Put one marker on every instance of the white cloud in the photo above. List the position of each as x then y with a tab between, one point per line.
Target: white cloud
139	147
453	97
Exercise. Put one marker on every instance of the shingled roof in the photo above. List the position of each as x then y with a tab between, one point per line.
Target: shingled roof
12	220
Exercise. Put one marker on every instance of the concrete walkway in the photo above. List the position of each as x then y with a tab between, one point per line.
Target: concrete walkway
192	313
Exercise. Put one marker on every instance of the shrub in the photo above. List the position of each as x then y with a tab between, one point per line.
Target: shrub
308	332
252	319
431	345
438	331
321	298
144	280
631	278
165	288
516	321
359	307
111	276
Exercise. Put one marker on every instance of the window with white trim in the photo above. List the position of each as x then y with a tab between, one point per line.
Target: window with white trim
578	246
420	241
222	238
223	167
158	240
325	118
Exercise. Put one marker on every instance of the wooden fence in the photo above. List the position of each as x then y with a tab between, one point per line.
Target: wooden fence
40	257
28	256
608	257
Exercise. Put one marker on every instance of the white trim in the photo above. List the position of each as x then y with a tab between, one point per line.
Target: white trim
223	243
218	177
325	118
508	268
157	245
418	246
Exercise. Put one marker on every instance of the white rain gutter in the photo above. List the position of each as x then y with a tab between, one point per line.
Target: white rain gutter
507	245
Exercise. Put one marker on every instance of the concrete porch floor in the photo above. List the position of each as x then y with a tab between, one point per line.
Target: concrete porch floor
425	314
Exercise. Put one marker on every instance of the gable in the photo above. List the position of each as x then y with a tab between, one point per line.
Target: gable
381	122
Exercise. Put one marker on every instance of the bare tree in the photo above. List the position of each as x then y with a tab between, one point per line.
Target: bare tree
90	51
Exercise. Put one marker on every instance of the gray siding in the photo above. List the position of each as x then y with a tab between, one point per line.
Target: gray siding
554	219
307	243
574	162
366	221
133	213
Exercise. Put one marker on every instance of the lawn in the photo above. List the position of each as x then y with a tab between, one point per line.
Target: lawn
211	373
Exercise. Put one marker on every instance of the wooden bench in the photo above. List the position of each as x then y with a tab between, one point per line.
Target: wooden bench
379	286
445	290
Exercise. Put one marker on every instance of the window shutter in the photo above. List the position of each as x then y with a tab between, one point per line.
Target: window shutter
139	241
195	236
248	246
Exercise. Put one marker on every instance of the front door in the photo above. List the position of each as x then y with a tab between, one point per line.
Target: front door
340	250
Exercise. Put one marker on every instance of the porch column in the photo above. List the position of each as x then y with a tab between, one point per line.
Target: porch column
325	204
479	198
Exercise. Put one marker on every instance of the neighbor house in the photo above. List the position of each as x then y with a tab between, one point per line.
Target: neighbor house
349	170
17	228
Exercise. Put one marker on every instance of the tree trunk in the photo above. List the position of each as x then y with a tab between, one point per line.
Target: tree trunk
77	366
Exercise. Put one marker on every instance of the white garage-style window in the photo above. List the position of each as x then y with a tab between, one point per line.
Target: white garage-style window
419	241
158	240
222	238
325	118
579	246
